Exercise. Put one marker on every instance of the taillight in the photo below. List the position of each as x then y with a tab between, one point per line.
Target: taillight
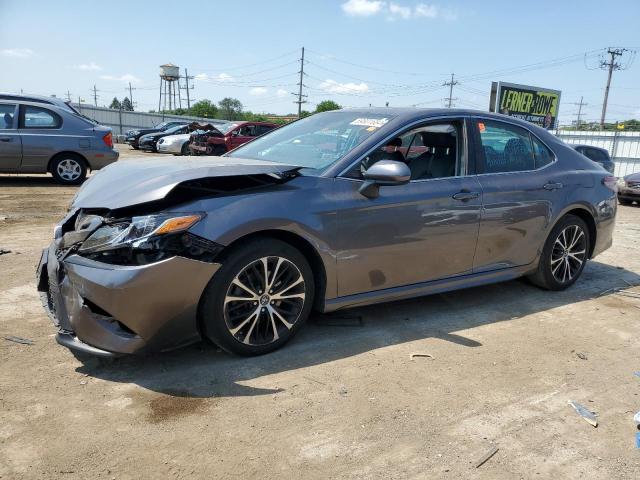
610	182
108	140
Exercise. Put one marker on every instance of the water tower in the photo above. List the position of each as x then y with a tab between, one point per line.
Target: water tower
169	87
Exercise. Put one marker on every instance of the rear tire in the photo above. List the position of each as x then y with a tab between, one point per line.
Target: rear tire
259	299
624	201
185	150
69	169
564	255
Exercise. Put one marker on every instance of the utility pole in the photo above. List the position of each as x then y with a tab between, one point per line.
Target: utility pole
450	85
68	96
95	95
611	65
579	115
131	94
186	87
300	101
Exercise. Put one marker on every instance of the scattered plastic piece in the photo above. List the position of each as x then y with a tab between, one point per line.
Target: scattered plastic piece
24	341
3	251
487	456
588	415
424	355
581	356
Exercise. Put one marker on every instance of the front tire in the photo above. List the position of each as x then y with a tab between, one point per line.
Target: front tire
564	255
624	201
185	150
259	299
69	169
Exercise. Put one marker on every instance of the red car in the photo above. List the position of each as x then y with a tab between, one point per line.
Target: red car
227	137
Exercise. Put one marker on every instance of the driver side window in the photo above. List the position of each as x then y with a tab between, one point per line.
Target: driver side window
430	151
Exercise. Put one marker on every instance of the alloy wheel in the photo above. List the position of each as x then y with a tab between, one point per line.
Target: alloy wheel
264	300
568	254
69	169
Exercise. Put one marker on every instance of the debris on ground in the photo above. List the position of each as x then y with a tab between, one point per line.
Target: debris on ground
581	356
588	415
3	251
24	341
487	456
420	355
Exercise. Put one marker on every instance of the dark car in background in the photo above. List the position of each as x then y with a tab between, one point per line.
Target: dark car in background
629	189
46	134
149	141
132	136
228	137
336	210
599	155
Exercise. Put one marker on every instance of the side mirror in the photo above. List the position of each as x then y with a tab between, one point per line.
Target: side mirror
384	173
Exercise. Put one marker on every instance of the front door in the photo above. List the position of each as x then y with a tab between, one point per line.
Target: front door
424	230
10	141
241	135
522	186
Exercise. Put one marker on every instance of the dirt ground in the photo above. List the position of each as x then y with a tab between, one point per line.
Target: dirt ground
344	399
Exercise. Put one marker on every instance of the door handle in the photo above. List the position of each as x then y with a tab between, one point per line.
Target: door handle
465	196
552	186
5	139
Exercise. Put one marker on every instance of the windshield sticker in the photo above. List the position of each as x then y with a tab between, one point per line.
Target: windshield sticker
370	122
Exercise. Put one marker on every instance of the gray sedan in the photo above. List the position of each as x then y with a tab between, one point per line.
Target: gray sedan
340	209
44	134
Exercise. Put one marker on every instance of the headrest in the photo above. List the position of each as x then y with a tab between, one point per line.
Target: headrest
438	139
396	142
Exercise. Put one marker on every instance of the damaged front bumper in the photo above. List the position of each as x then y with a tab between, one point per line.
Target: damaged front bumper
108	310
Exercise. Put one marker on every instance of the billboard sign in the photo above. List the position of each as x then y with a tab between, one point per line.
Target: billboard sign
533	104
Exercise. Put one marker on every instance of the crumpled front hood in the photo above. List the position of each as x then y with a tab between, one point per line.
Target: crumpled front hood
136	181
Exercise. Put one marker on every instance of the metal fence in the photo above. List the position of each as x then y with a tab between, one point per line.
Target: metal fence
121	121
624	147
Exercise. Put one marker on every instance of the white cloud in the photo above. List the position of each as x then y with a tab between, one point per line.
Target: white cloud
17	52
126	78
363	8
424	10
399	11
91	66
282	93
331	86
396	11
257	91
221	77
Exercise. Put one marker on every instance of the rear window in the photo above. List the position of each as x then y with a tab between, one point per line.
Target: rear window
7	112
38	117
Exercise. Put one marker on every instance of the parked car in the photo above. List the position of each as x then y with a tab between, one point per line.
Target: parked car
240	248
133	136
176	144
629	189
598	155
149	141
230	136
47	135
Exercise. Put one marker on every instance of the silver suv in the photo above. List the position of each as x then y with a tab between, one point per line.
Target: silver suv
45	134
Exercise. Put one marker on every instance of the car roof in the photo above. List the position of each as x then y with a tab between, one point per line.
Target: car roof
14	97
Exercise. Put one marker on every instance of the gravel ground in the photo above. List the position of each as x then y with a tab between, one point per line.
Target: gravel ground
344	399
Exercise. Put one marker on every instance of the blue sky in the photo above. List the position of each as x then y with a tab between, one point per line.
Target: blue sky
359	52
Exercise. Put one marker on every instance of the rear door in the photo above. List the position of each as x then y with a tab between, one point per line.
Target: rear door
41	132
10	141
522	187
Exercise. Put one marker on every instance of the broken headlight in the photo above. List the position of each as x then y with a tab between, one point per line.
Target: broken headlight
143	240
137	231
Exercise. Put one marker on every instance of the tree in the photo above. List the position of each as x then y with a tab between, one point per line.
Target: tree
326	106
204	108
305	113
230	108
115	103
126	105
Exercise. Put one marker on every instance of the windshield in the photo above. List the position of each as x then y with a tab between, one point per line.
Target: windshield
316	141
174	129
224	127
